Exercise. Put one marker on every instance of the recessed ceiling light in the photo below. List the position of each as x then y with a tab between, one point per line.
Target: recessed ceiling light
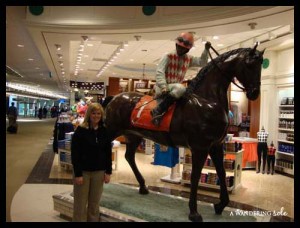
215	37
220	45
20	45
58	46
30	59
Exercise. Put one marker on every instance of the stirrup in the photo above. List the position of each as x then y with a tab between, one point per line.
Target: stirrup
156	121
156	118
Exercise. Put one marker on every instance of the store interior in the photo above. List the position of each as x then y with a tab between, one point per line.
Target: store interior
70	65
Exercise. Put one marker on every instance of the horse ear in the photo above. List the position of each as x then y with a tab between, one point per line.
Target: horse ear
254	49
262	52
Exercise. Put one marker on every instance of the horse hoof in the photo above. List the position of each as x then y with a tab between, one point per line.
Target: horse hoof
195	218
219	207
144	190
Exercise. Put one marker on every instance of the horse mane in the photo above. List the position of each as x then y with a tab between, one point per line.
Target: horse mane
194	83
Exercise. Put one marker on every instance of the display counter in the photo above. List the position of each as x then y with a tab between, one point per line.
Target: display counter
250	151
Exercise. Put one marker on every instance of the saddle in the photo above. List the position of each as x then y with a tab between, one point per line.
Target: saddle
141	117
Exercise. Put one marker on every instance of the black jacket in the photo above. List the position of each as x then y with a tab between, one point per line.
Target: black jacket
91	150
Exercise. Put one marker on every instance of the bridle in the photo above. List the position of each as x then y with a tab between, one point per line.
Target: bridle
224	73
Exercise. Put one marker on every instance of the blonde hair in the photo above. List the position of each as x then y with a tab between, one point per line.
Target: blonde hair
91	107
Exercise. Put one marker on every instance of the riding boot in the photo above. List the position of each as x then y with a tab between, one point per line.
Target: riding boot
158	112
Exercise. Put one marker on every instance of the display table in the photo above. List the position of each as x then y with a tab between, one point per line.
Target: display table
250	151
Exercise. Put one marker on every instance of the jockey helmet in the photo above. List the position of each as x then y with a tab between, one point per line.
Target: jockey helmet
186	39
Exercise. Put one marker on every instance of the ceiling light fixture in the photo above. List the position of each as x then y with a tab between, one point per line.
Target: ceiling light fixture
85	38
137	37
112	58
252	25
58	47
144	71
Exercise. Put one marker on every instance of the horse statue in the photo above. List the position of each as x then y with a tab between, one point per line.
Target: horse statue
199	122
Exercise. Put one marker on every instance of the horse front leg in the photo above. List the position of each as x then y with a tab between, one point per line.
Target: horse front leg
198	160
217	156
131	145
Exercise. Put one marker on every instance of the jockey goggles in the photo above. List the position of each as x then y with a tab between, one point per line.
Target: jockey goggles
184	41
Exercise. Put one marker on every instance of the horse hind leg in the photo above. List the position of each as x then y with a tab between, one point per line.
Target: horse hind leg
131	145
217	156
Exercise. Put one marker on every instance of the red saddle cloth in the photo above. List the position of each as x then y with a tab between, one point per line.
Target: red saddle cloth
141	117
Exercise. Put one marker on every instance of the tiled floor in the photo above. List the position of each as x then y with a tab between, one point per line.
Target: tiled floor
33	200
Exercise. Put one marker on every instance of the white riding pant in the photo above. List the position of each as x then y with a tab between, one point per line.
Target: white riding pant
176	90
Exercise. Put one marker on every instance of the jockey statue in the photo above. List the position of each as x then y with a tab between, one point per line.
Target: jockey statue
170	73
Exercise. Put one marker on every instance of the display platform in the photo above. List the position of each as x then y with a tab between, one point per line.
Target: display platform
125	203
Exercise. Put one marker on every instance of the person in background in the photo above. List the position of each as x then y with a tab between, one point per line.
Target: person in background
170	73
45	111
271	157
262	148
35	111
101	99
12	115
91	155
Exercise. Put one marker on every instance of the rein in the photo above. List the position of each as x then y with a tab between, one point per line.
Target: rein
242	88
148	102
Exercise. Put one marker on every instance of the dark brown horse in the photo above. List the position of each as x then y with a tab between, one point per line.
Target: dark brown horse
200	119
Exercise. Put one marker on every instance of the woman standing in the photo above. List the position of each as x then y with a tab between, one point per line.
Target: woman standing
92	164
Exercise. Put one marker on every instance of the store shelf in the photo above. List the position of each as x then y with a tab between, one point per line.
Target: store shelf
286	106
289	154
285	141
236	171
285	170
285	129
207	185
209	168
285	132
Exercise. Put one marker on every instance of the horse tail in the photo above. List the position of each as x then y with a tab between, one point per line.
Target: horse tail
106	101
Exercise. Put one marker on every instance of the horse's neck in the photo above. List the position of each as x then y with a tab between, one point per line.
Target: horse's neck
214	87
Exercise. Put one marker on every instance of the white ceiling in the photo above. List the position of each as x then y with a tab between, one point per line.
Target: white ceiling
108	28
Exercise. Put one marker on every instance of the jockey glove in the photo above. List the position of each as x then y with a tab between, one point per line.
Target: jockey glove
207	45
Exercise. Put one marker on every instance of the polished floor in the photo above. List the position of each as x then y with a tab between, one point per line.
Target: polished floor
33	175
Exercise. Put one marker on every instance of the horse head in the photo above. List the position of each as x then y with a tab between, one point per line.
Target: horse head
249	71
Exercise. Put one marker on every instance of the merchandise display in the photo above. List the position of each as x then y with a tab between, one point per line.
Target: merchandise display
209	178
64	152
285	139
62	126
249	146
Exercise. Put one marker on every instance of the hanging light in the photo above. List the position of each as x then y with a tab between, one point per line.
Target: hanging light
144	71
